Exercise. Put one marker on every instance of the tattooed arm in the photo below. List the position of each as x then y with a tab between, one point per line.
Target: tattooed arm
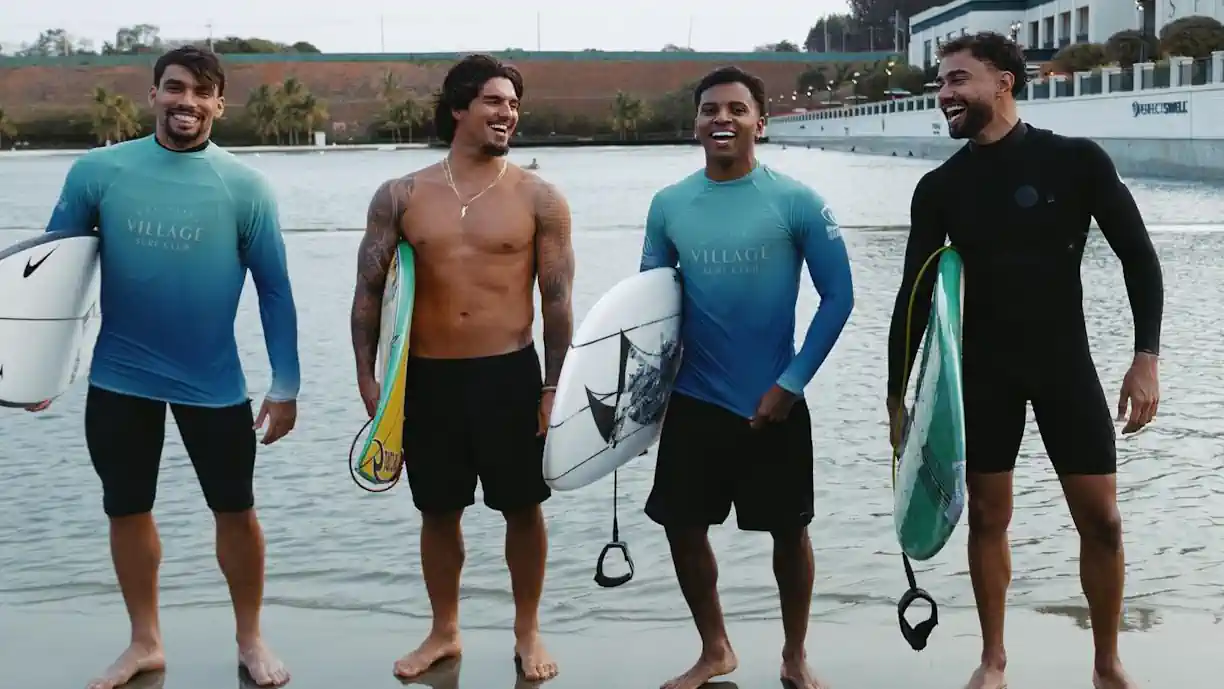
555	263
378	245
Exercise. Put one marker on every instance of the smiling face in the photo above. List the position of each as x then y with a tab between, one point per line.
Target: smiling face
728	123
491	117
184	108
969	93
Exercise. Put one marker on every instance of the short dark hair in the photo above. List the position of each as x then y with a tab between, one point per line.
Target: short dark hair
993	48
463	83
732	75
203	64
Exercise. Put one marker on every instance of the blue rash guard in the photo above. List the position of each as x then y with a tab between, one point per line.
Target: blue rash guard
179	230
739	246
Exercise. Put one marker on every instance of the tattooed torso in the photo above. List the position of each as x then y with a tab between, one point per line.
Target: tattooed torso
475	274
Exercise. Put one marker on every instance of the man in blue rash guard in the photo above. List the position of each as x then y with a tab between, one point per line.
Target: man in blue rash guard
737	429
181	221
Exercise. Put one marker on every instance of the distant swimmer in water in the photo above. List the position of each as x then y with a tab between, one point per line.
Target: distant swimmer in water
182	221
1016	202
738	431
533	165
477	404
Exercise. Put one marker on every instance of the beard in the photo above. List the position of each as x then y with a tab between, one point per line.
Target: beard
180	137
977	116
494	150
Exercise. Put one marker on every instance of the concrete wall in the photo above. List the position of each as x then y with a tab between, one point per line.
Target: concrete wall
1171	159
574	83
1165	132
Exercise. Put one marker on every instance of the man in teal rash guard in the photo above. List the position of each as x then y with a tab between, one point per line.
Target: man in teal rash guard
737	429
181	221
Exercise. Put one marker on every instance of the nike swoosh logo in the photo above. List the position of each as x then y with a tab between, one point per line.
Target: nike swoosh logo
31	267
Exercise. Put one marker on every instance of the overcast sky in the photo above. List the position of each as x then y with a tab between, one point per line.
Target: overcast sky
354	25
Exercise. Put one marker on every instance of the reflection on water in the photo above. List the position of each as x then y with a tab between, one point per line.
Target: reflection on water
333	546
1134	618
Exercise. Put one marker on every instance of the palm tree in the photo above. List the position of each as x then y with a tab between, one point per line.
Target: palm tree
114	116
406	113
287	109
7	127
627	111
261	111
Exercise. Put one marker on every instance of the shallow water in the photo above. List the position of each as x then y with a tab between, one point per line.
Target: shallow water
333	546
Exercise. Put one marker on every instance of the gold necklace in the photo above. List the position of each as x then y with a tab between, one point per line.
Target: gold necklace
450	179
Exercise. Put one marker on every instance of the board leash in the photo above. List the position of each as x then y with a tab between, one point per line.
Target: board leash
915	635
353	469
616	544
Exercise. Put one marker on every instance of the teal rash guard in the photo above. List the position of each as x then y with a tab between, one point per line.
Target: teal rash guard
739	246
179	231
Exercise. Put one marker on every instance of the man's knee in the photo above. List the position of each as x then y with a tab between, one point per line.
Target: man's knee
1103	529
791	540
989	513
530	518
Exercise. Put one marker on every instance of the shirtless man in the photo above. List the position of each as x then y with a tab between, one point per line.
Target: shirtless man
476	406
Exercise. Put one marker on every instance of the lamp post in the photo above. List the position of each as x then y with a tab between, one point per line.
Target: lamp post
1142	31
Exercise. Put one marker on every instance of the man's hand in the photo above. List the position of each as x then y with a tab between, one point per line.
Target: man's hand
39	406
1141	391
896	422
775	405
370	391
545	412
282	417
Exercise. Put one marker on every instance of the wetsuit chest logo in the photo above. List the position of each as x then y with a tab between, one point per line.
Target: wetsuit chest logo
1026	196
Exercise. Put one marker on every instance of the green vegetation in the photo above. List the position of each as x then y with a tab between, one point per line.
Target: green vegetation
7	127
145	39
1194	37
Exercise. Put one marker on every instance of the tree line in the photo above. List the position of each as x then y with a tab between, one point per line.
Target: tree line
1194	37
146	39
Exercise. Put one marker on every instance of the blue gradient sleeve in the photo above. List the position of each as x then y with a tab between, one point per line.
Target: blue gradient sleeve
263	252
818	235
76	210
658	251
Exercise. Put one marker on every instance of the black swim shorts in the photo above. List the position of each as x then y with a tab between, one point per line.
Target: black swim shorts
470	419
125	435
710	459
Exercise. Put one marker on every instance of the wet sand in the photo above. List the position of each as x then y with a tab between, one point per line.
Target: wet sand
45	648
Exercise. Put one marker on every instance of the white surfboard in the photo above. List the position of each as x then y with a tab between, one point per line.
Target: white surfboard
49	289
616	381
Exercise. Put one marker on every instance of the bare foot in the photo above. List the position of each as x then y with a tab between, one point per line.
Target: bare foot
1111	678
797	675
136	659
713	663
537	665
986	677
434	648
265	669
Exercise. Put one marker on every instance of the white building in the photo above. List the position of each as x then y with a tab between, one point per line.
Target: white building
1044	26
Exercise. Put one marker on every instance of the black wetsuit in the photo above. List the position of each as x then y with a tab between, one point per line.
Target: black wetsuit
1018	212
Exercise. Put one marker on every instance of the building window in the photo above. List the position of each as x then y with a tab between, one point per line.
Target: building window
1064	29
1048	39
1081	25
926	54
1034	34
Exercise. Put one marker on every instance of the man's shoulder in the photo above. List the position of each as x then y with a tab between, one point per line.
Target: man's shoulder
683	188
789	189
113	156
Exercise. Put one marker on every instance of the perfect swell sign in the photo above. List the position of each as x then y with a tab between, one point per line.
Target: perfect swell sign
1172	107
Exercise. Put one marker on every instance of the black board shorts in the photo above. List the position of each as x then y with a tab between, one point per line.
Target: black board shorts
711	458
474	419
125	435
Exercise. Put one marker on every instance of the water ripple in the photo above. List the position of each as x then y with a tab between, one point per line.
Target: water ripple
332	546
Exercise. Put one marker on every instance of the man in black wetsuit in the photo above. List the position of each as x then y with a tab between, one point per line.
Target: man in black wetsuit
1016	202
